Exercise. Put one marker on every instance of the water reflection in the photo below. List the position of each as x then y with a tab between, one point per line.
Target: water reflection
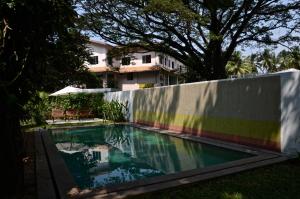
115	154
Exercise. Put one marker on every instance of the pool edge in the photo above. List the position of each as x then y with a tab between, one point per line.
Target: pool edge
65	183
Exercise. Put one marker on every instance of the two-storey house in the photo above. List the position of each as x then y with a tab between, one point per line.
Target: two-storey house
139	69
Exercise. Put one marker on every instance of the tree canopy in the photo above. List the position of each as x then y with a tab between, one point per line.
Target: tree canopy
201	34
40	46
239	66
40	49
266	61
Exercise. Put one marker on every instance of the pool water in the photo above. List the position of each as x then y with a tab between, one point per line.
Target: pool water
114	154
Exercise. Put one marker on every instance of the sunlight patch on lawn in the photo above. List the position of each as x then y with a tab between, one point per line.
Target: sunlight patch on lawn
232	196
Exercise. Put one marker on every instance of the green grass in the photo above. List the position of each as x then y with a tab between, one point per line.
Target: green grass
280	181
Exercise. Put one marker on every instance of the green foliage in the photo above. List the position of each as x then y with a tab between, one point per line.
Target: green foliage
37	109
114	111
79	101
40	49
96	104
289	59
268	61
202	35
239	66
232	196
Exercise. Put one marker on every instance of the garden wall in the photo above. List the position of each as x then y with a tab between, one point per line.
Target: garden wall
260	111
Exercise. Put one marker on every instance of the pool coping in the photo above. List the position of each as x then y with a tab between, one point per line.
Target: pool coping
65	183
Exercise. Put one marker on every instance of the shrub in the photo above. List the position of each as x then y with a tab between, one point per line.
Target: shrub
37	109
78	101
96	104
114	111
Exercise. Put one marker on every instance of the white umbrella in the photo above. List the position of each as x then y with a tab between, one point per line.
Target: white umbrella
72	90
67	90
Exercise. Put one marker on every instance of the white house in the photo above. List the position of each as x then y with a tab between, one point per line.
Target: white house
136	70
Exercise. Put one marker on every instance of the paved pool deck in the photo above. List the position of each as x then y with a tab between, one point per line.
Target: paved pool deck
55	181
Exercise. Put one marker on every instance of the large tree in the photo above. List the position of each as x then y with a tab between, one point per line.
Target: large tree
202	34
40	49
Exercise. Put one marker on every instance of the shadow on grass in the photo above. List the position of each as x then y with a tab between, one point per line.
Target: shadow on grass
272	182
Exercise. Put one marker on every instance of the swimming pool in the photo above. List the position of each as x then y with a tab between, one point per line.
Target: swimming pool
114	154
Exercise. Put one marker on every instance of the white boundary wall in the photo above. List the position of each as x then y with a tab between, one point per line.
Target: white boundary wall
290	111
289	106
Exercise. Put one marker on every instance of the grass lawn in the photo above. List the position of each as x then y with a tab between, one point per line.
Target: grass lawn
277	181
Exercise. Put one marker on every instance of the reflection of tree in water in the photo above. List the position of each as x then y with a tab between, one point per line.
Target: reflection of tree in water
79	166
117	135
125	171
89	171
116	154
122	168
88	136
122	175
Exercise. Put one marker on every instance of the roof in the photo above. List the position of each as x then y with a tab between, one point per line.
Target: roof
136	69
99	69
101	43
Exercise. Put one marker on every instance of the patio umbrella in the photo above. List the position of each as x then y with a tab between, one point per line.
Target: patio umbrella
67	90
72	90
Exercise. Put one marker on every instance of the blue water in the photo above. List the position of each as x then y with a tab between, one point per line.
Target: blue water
115	154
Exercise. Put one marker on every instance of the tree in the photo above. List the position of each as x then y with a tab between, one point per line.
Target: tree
289	59
40	49
267	61
239	66
201	34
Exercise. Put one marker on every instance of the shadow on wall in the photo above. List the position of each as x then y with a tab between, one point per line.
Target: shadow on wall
245	111
290	116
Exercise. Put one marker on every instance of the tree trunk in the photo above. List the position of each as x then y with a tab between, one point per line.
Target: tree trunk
214	62
12	148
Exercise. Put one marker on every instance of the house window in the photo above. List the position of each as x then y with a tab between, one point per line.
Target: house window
165	61
146	59
129	76
109	61
126	61
161	59
93	60
97	155
173	65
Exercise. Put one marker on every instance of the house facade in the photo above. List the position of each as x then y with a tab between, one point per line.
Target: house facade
140	69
